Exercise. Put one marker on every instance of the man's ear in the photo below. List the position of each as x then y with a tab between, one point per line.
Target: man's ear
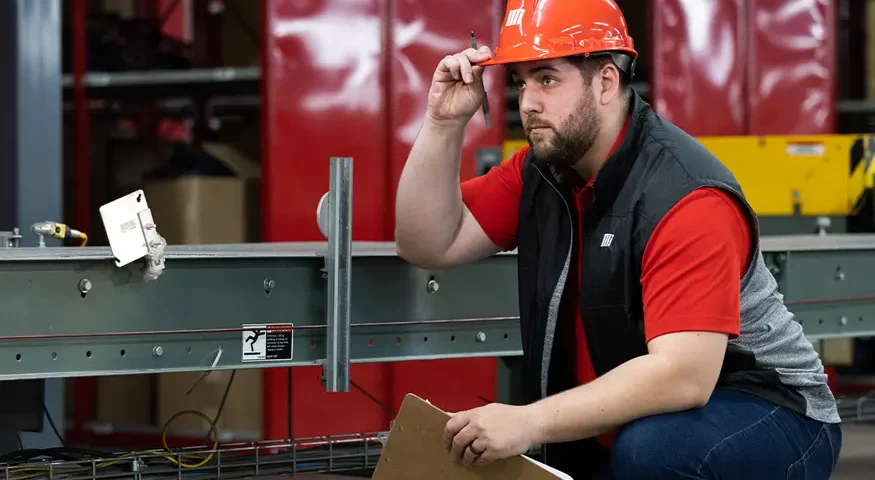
610	82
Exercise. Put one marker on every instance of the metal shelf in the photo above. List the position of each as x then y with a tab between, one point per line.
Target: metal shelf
229	76
166	77
200	84
219	106
843	107
855	106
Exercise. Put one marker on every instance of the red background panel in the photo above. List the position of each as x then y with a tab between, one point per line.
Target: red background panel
698	65
323	98
424	32
453	385
316	412
322	90
351	79
792	74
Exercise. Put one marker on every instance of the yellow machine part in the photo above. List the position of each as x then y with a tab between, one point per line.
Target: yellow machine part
787	175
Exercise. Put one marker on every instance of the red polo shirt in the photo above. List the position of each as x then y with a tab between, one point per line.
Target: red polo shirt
691	267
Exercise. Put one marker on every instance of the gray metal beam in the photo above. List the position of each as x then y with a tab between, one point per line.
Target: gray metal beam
826	281
242	306
266	305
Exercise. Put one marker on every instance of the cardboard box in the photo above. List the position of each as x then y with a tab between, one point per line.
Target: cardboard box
114	400
837	352
241	415
203	209
190	209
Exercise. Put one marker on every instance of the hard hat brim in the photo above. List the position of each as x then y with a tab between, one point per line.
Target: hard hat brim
504	60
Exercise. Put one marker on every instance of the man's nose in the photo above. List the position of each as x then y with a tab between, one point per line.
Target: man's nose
529	102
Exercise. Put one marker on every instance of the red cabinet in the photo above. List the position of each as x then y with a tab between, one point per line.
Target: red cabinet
698	74
745	67
350	79
792	74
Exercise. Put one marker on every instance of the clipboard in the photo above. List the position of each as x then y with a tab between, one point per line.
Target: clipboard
415	450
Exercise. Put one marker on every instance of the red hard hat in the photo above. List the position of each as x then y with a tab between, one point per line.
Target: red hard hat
542	29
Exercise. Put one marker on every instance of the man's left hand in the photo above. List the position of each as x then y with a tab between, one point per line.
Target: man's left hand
492	432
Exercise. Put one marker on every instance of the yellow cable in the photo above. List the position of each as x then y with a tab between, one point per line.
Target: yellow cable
62	231
213	430
164	453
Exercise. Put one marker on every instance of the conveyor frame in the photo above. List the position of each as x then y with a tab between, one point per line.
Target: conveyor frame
76	312
206	295
826	281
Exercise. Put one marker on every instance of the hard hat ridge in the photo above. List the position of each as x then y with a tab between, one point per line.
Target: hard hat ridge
543	29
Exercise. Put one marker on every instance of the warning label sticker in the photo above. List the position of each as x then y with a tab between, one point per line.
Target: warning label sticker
267	342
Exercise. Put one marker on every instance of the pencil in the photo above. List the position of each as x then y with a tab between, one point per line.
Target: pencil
485	97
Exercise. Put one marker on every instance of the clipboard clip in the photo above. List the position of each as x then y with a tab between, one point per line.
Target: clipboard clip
383	437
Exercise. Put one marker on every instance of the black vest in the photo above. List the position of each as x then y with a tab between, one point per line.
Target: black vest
655	166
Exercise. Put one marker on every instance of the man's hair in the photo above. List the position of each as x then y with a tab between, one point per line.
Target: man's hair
590	65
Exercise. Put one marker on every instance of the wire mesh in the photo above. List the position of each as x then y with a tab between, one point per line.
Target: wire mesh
857	408
325	454
329	454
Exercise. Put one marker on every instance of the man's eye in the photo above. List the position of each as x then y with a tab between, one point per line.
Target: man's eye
548	81
520	85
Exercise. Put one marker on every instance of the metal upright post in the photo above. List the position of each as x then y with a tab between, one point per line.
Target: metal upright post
81	123
30	94
339	259
31	168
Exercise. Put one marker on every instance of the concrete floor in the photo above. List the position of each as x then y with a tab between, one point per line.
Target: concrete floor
857	460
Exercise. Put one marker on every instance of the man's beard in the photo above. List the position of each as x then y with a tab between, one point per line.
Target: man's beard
571	140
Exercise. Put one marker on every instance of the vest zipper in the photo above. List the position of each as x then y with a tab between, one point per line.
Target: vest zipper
556	298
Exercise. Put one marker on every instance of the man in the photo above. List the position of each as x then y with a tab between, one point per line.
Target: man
655	342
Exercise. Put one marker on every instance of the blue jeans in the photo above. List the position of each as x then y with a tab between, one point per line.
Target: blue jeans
736	435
